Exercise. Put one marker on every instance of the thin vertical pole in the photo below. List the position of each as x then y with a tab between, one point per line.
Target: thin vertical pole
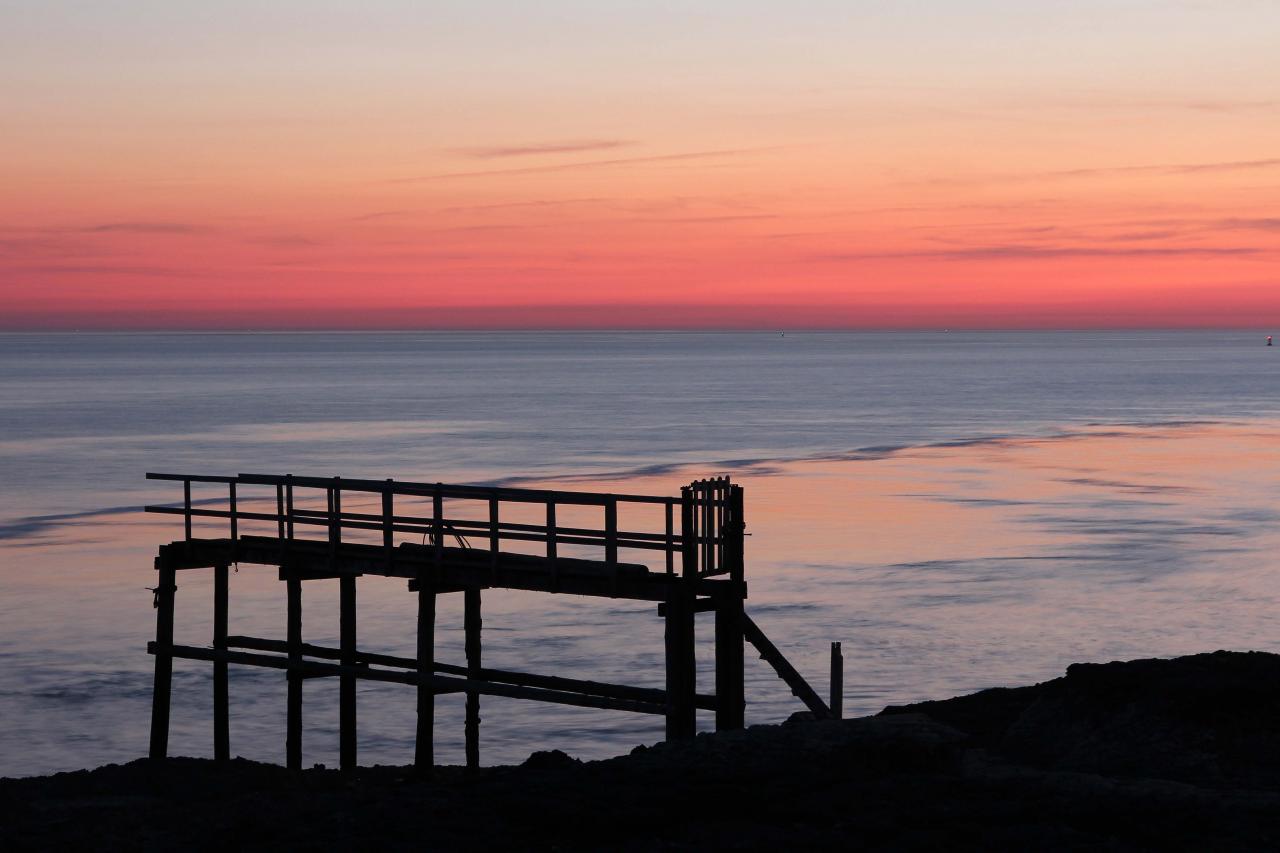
293	723
221	703
423	758
471	626
347	681
186	509
164	595
837	682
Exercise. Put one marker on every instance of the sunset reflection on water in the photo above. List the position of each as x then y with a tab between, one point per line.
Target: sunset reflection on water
942	569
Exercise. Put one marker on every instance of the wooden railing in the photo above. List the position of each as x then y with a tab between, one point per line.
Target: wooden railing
707	542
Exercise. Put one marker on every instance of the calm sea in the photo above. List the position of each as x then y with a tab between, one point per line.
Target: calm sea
960	509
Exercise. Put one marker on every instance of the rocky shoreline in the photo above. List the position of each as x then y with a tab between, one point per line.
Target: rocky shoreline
1147	754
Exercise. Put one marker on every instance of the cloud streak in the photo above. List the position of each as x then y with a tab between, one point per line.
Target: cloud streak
1024	252
1169	169
582	164
141	228
537	148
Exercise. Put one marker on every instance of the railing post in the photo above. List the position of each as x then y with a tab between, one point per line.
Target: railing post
235	521
388	527
280	511
611	542
495	540
552	546
186	512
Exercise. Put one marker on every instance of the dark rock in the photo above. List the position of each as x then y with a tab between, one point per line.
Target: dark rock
1179	754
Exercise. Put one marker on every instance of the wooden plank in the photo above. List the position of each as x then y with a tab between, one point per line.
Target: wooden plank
458	568
293	716
550	682
433	683
471	626
221	693
160	698
769	652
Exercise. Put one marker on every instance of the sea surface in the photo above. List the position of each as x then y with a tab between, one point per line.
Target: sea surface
960	510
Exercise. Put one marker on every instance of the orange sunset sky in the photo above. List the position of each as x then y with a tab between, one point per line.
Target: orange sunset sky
402	164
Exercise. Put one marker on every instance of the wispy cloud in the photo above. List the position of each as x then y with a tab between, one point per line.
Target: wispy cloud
1265	223
583	164
535	148
1157	169
1017	252
104	269
141	228
1170	168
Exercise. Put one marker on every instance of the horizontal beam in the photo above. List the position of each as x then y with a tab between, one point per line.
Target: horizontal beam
458	567
700	605
439	683
501	676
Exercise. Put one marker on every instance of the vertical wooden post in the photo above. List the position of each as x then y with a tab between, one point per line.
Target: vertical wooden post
293	722
681	665
347	681
164	595
837	682
424	757
471	626
730	637
221	703
730	687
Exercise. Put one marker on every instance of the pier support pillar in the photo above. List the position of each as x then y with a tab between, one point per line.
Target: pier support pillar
221	700
681	665
164	595
293	722
347	681
471	626
424	758
730	687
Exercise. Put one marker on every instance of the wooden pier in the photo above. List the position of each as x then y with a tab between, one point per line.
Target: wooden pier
423	533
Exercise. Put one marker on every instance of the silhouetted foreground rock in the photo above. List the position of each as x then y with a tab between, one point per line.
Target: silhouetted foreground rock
1178	754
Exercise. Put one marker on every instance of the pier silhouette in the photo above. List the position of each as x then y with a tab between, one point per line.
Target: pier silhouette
533	539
